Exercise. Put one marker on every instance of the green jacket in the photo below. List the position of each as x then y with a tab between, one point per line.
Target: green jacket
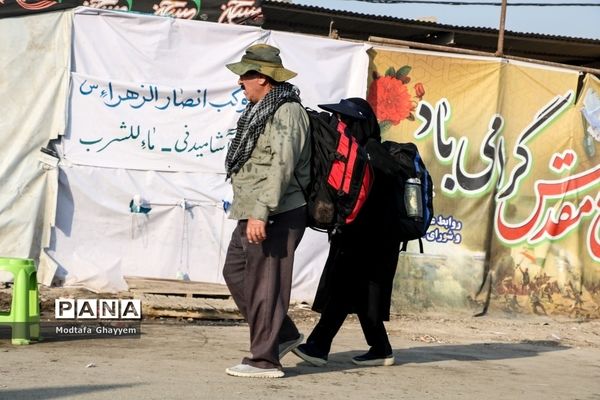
265	185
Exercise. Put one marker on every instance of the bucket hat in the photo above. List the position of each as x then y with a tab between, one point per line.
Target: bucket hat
264	59
347	108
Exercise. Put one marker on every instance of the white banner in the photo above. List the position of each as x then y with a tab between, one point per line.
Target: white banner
151	127
144	48
328	69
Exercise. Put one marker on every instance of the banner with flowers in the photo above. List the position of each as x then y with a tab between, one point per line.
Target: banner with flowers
512	151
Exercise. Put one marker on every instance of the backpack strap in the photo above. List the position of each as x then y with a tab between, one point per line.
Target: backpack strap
301	188
405	245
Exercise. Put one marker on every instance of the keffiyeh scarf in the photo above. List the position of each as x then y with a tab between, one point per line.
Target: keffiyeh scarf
252	124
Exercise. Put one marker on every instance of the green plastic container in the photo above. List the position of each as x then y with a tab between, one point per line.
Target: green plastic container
24	314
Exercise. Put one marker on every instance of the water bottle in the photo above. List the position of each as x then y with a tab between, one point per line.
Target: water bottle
412	198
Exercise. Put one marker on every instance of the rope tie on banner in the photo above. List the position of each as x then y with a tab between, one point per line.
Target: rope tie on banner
183	272
139	218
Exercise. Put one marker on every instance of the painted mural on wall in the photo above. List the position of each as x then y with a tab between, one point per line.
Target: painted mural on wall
513	150
223	11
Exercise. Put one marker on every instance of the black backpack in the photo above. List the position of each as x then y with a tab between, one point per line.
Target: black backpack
411	166
341	175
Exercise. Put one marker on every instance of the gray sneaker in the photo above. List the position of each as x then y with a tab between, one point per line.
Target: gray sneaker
309	353
248	371
290	345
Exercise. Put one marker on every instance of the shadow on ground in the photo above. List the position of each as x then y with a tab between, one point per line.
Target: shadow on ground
58	392
342	361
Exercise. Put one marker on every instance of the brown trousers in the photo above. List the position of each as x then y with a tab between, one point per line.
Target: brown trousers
259	277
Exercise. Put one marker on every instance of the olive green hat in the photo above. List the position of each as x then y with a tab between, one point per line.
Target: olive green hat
264	59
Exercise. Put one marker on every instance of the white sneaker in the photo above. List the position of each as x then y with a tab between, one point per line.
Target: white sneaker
248	371
290	345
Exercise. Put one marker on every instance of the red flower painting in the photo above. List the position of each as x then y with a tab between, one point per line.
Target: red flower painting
390	97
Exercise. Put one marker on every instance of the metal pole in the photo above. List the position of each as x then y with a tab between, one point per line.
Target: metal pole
500	50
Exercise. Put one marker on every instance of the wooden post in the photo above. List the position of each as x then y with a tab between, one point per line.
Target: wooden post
500	50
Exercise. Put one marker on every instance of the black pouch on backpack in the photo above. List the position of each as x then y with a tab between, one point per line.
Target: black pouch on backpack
414	194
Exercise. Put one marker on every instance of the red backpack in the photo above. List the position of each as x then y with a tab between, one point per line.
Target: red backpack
341	175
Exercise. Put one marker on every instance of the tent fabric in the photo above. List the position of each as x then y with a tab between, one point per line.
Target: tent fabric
34	81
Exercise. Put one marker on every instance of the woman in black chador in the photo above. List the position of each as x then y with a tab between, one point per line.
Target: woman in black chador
362	259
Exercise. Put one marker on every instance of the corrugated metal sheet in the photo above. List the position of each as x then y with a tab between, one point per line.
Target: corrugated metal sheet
432	25
352	25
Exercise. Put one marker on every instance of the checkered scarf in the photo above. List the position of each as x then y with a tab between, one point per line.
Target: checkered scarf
252	124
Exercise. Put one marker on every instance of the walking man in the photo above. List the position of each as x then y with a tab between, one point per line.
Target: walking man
269	148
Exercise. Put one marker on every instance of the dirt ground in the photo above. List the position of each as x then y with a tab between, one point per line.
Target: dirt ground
439	356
